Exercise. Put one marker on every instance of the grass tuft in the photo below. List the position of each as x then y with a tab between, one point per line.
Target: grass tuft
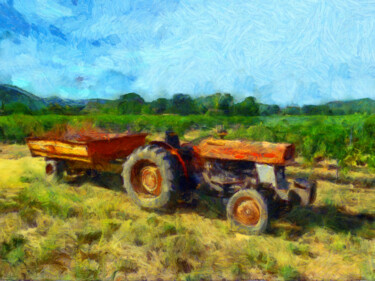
88	236
289	273
127	266
86	269
13	251
183	252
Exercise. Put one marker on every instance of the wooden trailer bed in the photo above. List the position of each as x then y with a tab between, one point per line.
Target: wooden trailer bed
108	147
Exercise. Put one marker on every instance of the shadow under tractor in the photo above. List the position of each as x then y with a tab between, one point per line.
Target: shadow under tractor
159	174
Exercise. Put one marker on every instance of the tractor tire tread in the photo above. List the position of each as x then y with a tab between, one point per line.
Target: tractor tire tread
168	168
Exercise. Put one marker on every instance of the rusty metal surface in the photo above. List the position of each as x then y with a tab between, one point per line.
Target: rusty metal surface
107	148
260	152
247	211
146	179
151	179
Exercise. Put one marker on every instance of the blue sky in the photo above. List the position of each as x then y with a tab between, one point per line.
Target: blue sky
284	52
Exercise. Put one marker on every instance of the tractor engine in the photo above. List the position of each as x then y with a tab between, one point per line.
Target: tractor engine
228	176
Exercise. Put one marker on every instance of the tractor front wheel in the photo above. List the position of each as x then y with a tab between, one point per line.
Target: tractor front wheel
247	211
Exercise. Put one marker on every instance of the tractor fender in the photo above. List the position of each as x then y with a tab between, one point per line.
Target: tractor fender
174	152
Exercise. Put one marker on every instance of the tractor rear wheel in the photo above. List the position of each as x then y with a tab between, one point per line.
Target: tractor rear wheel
247	211
151	176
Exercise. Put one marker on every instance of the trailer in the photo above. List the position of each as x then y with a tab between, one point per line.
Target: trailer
159	174
102	152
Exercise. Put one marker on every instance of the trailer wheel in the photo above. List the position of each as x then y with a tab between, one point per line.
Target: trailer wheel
54	170
247	211
151	176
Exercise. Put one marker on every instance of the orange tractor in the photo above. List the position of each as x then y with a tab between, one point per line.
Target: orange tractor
157	175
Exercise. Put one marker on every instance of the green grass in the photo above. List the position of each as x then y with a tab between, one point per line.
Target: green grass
70	231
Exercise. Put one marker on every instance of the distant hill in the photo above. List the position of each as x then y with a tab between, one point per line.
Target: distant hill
352	106
71	102
63	102
12	94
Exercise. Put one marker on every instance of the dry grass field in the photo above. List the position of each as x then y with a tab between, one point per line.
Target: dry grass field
89	229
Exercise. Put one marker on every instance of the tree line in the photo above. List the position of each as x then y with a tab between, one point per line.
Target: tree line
222	104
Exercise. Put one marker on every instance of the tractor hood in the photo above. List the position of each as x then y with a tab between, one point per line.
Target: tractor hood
260	152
